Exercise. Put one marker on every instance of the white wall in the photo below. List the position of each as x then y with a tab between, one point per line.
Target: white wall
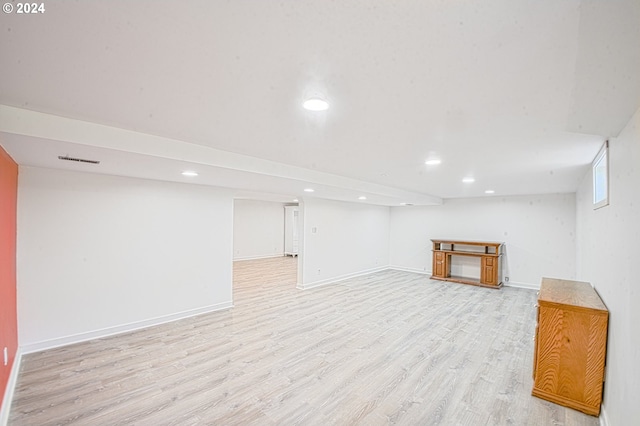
102	254
539	232
258	229
608	257
341	239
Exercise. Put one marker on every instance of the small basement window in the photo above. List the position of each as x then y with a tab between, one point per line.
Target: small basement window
601	177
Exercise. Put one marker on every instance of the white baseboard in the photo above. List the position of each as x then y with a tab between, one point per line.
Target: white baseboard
414	270
10	389
516	284
340	278
267	256
124	328
604	420
528	286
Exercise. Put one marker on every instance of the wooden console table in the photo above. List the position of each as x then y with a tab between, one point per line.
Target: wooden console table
490	261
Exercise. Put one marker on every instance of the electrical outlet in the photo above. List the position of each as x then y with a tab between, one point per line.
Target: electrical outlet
318	271
506	279
6	356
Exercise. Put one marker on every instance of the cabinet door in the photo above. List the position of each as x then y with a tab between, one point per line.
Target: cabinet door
439	264
488	273
291	230
570	358
536	339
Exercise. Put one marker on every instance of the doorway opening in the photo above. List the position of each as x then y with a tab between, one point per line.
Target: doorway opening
266	248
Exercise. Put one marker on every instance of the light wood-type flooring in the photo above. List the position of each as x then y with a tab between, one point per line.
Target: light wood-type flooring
386	348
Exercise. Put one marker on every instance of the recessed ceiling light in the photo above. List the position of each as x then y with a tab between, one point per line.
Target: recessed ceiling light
189	173
468	180
406	204
362	197
308	190
315	104
489	191
295	200
433	162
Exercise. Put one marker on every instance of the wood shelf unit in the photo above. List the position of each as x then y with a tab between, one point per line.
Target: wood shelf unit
490	254
570	345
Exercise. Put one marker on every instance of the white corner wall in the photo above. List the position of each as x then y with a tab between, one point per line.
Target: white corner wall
101	254
341	240
608	257
258	229
539	232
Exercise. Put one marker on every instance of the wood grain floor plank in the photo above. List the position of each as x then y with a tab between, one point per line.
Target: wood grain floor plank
386	348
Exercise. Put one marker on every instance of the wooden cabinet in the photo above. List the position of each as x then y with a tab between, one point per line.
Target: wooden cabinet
570	345
489	254
439	264
488	271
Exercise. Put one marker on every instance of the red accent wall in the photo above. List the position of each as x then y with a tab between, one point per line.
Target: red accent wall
8	316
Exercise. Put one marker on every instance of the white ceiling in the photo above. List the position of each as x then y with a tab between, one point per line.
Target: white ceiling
520	94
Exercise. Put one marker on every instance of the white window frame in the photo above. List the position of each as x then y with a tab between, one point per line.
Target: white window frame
600	173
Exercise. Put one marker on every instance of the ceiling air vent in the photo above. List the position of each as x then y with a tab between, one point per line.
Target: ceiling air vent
79	160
